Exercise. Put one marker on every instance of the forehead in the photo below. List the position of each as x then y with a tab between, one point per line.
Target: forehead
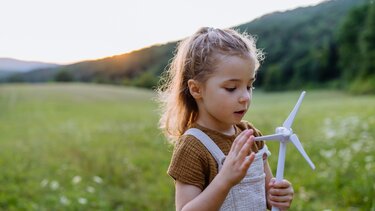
229	68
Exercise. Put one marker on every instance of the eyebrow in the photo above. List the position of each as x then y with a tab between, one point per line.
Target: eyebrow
235	80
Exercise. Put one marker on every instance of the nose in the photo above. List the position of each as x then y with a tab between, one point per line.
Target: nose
245	97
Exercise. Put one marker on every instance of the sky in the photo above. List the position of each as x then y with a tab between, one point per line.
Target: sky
68	31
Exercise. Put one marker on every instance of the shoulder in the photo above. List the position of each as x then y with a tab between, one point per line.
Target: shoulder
189	144
188	150
189	161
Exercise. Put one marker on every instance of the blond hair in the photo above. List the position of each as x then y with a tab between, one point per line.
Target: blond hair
195	58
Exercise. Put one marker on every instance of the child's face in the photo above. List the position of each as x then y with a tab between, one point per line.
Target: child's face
227	93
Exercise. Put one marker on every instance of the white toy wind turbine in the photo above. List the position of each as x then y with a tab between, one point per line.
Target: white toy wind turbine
285	134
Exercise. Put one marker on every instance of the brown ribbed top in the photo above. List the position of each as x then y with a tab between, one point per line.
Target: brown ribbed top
193	164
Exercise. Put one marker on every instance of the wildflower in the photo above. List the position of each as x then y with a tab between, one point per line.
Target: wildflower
97	179
330	133
368	159
44	183
82	200
368	166
54	185
356	146
90	189
303	194
76	179
64	200
328	153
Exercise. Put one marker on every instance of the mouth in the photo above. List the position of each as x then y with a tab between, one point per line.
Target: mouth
241	112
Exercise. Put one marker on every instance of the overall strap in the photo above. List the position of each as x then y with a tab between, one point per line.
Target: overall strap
209	144
264	150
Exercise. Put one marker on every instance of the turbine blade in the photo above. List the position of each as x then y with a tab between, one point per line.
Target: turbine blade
269	137
289	121
294	139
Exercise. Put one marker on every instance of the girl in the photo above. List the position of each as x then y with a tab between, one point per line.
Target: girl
205	94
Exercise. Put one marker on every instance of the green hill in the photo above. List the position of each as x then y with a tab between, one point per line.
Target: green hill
118	69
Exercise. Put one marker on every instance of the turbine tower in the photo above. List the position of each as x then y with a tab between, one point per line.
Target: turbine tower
285	134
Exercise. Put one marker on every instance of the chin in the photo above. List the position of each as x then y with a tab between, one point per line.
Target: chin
237	121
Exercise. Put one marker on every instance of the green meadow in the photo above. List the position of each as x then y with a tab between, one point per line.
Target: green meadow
97	147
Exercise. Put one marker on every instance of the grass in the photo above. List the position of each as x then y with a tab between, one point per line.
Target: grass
95	147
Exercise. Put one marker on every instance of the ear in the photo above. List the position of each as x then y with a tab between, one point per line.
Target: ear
195	89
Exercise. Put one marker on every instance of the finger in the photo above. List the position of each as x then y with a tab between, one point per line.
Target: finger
240	140
237	139
248	161
280	199
246	148
282	184
273	180
281	191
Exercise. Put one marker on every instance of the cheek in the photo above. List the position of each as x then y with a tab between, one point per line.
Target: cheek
226	97
220	99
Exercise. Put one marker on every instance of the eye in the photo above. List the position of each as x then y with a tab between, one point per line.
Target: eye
230	89
250	88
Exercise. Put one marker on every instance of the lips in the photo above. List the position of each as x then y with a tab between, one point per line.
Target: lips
240	112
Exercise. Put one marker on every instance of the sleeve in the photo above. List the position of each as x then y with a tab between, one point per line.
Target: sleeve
187	163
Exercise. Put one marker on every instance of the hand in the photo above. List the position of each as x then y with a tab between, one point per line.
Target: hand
280	194
238	159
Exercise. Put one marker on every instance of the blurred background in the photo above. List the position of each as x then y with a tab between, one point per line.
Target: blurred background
78	120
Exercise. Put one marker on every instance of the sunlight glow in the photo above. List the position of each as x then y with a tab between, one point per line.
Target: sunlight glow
69	31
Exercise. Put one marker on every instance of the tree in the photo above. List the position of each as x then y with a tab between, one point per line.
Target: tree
357	49
64	76
367	44
348	36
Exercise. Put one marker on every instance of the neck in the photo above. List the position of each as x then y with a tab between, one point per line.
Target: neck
224	129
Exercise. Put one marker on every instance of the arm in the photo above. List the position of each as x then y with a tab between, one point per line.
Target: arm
190	197
278	194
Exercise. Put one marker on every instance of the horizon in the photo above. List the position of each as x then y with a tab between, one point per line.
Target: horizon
94	30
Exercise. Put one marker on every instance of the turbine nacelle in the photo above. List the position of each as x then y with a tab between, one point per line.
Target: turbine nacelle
285	132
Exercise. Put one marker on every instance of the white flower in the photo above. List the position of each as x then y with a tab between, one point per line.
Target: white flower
82	200
97	179
64	200
368	166
356	146
368	159
54	185
303	194
76	179
90	189
44	183
328	153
